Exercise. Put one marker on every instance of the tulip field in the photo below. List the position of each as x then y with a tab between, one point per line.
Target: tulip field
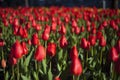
59	43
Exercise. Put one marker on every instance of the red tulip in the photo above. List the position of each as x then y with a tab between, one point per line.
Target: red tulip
92	40
16	22
37	27
25	49
47	29
17	50
77	30
114	25
2	43
34	23
35	39
29	42
63	42
20	31
12	60
62	29
88	28
45	36
102	42
74	53
118	46
76	67
82	29
46	33
53	27
27	26
25	33
113	55
15	30
51	49
105	23
84	43
99	34
40	53
74	23
93	31
6	23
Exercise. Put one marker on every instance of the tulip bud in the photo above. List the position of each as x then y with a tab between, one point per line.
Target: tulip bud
12	60
83	43
40	53
113	55
17	50
3	63
74	53
51	49
35	39
92	40
102	42
63	42
25	49
76	67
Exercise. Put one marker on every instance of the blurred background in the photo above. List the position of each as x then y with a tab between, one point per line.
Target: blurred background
68	3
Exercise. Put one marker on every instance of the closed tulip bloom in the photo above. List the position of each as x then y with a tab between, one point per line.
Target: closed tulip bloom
17	50
35	39
76	67
113	55
25	49
51	49
63	42
102	42
40	53
74	53
84	43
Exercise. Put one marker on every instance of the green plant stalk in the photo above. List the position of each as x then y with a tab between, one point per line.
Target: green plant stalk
101	57
92	51
36	67
86	57
12	77
84	78
75	77
18	75
4	72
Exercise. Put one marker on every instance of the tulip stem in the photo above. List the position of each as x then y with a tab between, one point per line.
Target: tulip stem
92	51
37	68
4	73
86	57
18	75
75	77
12	73
45	44
101	57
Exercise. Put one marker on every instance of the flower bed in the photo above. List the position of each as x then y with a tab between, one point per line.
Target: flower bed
59	43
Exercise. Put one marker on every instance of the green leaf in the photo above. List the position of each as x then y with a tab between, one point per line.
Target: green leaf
6	76
27	61
44	66
60	54
24	77
41	71
104	76
113	42
35	76
58	66
50	76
